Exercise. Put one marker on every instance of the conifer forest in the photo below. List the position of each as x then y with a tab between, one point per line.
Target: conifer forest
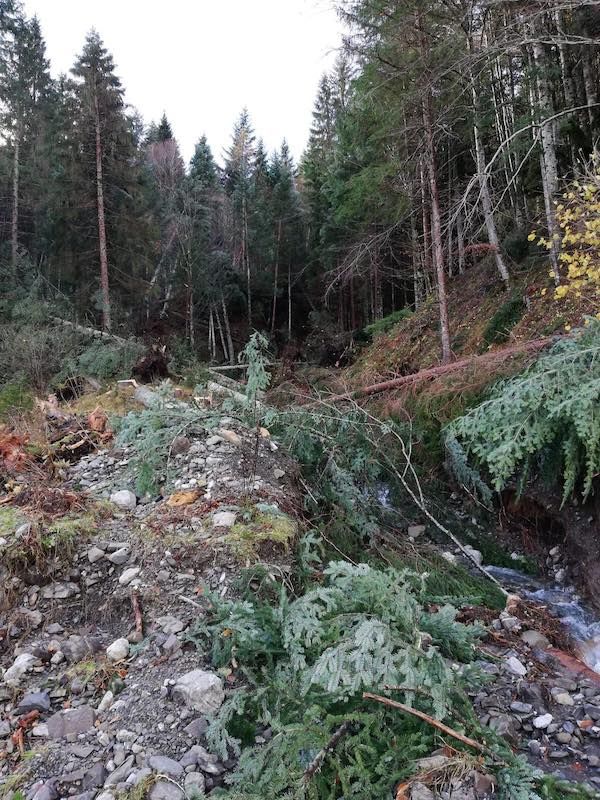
300	451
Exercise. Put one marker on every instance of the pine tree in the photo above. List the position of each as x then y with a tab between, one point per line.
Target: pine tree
100	98
164	131
24	88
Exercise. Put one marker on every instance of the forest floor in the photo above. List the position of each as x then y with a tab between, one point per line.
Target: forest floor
105	692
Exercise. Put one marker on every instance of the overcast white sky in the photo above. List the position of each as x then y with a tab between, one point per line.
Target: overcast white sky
201	61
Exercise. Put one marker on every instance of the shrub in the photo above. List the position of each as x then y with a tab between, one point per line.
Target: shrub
387	323
504	320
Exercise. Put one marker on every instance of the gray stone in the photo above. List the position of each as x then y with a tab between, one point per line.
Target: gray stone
60	590
591	710
418	791
40	730
34	701
521	708
22	664
535	639
124	499
47	791
118	650
94	554
169	624
557	754
194	784
224	519
534	747
73	721
121	774
128	575
94	777
165	766
4	728
483	784
562	737
120	556
200	690
106	702
515	666
80	647
165	790
542	721
564	699
505	726
414	531
197	727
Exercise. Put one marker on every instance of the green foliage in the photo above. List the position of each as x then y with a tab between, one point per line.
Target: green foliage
548	412
151	432
504	320
516	245
308	660
387	323
14	398
107	359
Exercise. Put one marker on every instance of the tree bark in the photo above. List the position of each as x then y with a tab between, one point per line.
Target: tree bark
436	232
276	278
106	316
549	162
484	189
228	331
14	227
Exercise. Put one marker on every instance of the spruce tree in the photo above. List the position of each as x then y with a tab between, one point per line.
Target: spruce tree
239	170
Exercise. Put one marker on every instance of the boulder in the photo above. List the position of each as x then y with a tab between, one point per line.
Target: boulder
73	721
200	690
124	499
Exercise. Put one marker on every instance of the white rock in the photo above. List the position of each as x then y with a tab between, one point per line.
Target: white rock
516	667
200	690
124	499
118	650
414	531
224	519
22	664
128	575
475	554
450	557
40	730
564	699
543	721
106	701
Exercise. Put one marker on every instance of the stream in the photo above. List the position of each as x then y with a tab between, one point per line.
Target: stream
563	602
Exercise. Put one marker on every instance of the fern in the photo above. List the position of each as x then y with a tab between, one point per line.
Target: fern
548	414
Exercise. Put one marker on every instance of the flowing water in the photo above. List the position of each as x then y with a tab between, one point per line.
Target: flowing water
564	603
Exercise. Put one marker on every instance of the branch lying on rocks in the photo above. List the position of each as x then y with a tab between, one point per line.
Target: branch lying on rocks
386	701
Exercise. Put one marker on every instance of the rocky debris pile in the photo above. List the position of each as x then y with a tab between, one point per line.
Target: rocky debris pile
225	462
101	685
542	701
104	748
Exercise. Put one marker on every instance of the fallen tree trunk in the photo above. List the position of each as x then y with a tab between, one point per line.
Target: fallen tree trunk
444	369
94	332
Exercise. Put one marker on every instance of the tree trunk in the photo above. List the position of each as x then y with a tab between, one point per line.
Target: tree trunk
436	232
276	278
289	301
548	161
482	177
228	331
246	259
106	320
14	227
